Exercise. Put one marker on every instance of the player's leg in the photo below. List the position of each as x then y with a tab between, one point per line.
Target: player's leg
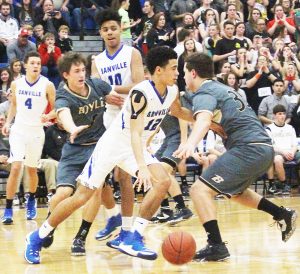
182	172
32	180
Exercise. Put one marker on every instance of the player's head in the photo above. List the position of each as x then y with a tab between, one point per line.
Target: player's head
197	66
109	22
32	63
162	62
72	68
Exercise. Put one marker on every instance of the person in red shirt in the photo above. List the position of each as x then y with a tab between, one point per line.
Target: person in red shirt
49	55
280	21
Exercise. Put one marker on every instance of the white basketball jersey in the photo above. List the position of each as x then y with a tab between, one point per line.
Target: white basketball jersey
156	109
115	69
31	101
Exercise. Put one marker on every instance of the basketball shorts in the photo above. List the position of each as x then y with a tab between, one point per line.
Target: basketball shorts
238	168
164	153
110	152
72	162
26	144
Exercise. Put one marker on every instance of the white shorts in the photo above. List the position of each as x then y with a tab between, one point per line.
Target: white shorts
110	152
26	144
109	116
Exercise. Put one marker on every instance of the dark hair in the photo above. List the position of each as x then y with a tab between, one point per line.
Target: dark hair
5	4
10	77
278	80
279	108
12	62
31	54
182	34
107	15
203	15
159	56
70	58
201	63
156	19
236	84
185	53
228	23
23	12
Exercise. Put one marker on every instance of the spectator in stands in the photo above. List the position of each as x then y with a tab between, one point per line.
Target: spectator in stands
260	29
241	39
38	34
188	22
198	13
209	43
252	23
224	69
16	68
160	34
235	13
64	42
25	13
30	32
291	82
265	110
4	106
231	80
5	81
231	16
49	56
288	7
209	18
179	8
285	145
295	119
287	56
259	82
49	18
8	29
19	48
261	5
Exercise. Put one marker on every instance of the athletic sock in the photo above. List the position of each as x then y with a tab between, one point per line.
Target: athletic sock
45	230
139	225
112	211
213	232
83	230
116	185
183	180
127	223
269	207
31	196
179	201
9	203
165	204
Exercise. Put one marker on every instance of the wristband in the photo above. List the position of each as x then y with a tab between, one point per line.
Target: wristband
257	75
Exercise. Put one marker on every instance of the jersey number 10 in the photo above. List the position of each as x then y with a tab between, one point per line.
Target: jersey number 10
115	79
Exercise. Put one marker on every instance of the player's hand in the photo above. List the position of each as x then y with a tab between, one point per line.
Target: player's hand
184	151
144	178
44	118
114	99
6	129
3	159
76	132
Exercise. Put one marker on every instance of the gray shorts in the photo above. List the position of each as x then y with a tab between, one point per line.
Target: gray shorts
71	164
238	168
164	154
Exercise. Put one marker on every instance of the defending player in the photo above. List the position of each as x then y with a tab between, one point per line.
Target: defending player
30	97
249	154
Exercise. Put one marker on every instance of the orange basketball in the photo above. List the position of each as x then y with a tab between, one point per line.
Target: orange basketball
179	247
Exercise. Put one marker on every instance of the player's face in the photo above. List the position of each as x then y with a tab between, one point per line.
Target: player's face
170	73
76	76
111	33
189	79
33	66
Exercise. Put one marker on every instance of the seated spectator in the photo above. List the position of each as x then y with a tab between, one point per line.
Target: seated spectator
8	29
49	18
179	8
251	24
243	41
4	106
209	43
19	48
16	68
25	13
188	22
5	81
30	32
160	34
231	16
224	69
265	110
238	11
64	42
231	80
291	83
198	13
261	30
38	34
49	56
285	146
208	18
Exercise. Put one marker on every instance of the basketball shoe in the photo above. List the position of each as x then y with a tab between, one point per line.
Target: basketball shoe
115	243
31	209
48	240
133	245
33	247
112	224
212	252
7	217
78	247
163	216
181	214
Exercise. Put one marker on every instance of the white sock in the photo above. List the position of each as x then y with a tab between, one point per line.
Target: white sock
45	229
127	223
139	225
112	212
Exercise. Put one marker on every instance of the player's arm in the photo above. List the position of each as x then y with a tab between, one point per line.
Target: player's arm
51	93
180	112
183	125
137	73
94	70
11	111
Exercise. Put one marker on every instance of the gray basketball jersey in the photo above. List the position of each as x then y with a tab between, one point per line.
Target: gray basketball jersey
229	110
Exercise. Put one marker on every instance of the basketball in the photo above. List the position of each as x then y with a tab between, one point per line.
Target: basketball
179	247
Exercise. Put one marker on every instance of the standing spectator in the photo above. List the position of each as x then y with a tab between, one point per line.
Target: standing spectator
64	42
188	22
49	56
25	13
8	29
244	42
30	32
5	81
231	16
224	69
198	13
291	82
208	19
19	48
209	43
179	8
231	80
38	34
260	29
234	12
251	23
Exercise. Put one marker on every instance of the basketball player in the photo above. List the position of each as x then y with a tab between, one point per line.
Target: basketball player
120	66
30	97
124	144
79	104
249	154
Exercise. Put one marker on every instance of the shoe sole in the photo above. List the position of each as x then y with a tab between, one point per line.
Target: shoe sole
145	257
103	238
10	222
294	218
112	246
27	243
219	260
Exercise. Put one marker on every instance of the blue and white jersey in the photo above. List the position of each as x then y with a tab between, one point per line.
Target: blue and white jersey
156	109
115	69
31	100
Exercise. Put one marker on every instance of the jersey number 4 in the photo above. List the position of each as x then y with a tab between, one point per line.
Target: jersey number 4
28	103
115	79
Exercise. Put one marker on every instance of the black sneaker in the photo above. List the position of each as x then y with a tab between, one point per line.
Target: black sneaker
212	252
163	216
287	223
286	190
48	241
181	214
273	189
78	247
117	194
